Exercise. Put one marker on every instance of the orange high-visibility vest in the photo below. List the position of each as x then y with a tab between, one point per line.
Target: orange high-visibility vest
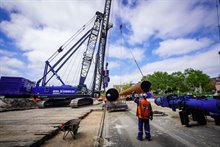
143	109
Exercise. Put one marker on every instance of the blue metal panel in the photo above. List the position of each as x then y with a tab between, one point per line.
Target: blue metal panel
54	90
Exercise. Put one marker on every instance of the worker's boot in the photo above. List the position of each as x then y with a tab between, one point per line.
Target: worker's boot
140	138
148	139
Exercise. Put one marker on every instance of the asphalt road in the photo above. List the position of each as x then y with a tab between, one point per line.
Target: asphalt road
121	130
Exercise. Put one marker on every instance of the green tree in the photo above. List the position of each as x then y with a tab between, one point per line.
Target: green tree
159	80
178	82
117	87
126	86
189	81
196	79
123	87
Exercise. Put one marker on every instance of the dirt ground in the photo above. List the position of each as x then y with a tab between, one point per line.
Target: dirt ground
86	136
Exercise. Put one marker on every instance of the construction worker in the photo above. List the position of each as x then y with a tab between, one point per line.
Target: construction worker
133	95
144	113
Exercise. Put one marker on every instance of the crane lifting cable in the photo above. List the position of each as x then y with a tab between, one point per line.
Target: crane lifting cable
75	69
217	4
70	66
66	43
77	33
132	53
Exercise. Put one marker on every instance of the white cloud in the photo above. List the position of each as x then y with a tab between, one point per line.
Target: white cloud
113	65
7	71
6	53
11	62
121	52
165	19
11	66
181	46
17	27
205	61
208	62
62	15
124	79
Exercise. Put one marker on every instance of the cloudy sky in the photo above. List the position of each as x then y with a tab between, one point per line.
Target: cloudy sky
163	35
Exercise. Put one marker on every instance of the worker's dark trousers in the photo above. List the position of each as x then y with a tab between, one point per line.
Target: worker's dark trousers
143	123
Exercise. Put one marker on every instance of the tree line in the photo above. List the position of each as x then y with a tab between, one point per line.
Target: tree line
189	81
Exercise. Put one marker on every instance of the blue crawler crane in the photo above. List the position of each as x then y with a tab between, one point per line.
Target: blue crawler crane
62	94
96	35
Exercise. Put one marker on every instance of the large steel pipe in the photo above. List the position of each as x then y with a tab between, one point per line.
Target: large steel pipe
112	94
138	88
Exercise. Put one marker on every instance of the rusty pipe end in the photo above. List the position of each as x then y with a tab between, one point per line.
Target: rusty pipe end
112	94
145	86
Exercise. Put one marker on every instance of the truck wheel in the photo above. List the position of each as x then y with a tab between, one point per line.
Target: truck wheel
184	118
217	121
201	119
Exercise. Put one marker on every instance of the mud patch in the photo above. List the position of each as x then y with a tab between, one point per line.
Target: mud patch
159	113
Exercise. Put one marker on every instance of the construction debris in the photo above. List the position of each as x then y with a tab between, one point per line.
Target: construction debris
11	104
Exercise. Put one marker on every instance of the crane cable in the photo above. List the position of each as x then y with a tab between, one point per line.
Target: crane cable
70	64
132	54
217	4
65	44
122	38
54	55
78	32
77	71
218	17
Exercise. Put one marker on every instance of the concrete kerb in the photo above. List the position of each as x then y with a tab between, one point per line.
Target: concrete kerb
99	139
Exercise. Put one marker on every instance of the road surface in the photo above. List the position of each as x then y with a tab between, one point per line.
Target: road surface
26	128
121	130
32	127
